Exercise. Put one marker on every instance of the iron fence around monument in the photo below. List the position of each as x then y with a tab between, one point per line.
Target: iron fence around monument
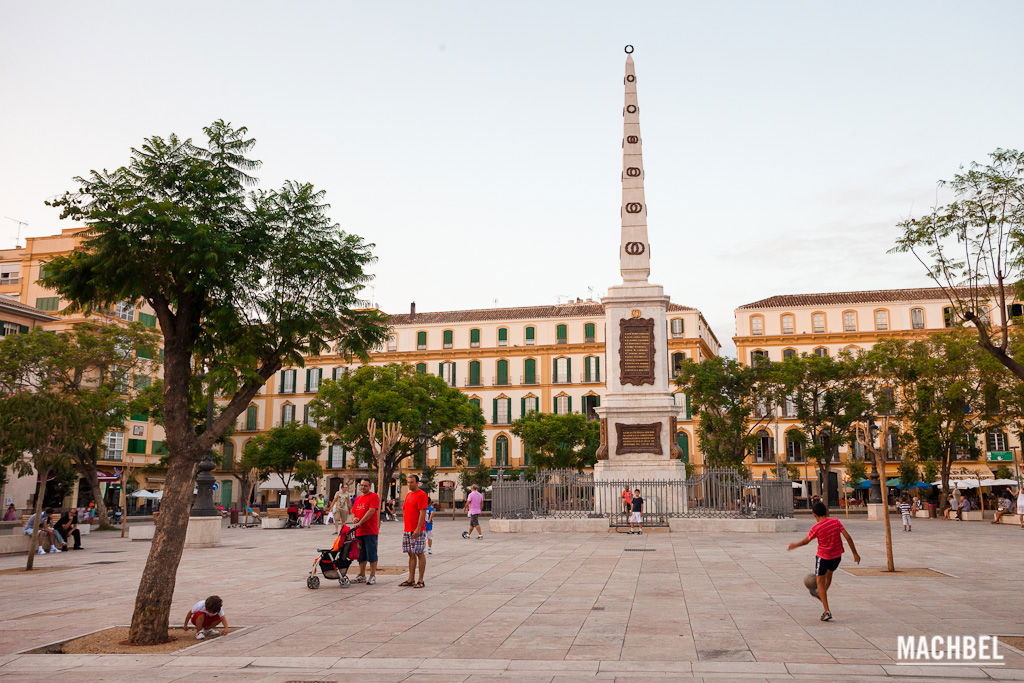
718	492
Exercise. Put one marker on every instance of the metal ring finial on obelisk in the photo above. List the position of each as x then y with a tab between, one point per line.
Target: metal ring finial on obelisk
629	49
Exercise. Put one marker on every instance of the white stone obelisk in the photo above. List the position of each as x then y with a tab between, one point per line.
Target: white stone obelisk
638	414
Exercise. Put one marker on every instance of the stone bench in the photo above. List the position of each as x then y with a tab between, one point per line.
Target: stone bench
556	525
273	522
1013	518
11	544
141	532
278	513
735	525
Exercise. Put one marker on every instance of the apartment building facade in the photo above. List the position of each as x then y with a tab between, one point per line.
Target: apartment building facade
779	327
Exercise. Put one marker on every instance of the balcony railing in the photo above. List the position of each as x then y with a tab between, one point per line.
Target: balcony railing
523	379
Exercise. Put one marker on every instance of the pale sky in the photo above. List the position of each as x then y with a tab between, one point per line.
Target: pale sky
478	143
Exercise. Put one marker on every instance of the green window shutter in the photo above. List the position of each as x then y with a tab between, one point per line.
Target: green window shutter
530	371
139	417
440	370
474	336
309	377
344	457
568	371
250	417
562	332
568	404
446	455
145	353
586	369
141	382
137	446
502	372
455	382
689	415
43	272
280	388
503	334
147	320
522	406
421	368
683	441
159	448
23	329
474	373
305	414
476	402
48	303
554	405
530	333
588	331
448	337
421	339
494	412
597	368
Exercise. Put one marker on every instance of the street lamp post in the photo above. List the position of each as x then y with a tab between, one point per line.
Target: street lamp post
203	505
875	493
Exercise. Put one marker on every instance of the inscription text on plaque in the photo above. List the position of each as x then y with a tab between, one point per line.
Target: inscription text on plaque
636	351
644	438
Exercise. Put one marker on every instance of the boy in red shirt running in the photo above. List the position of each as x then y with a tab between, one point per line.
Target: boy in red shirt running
830	551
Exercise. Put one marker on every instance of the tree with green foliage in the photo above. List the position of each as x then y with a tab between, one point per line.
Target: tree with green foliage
306	474
479	474
104	366
942	388
429	411
567	441
732	402
827	397
285	451
241	281
972	246
856	471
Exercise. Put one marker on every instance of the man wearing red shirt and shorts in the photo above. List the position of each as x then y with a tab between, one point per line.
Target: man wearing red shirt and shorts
365	512
830	551
414	540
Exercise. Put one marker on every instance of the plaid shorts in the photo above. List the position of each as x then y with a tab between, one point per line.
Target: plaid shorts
416	546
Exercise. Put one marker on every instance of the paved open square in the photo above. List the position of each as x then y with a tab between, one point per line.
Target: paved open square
533	607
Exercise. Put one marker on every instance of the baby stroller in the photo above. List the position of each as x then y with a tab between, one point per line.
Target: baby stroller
334	563
293	520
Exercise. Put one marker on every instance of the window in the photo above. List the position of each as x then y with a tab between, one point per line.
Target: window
917	318
446	339
678	358
561	370
313	376
392	342
502	336
789	406
886	401
113	446
677	327
590	406
476	402
7	328
1014	311
787	324
147	320
530	404
528	453
250	418
446	456
421	368
421	341
562	334
137	446
447	372
307	419
948	317
563	405
794	448
529	371
892	444
159	448
818	323
683	441
588	332
849	321
683	401
531	334
592	369
10	274
756	325
474	373
881	319
788	353
995	440
287	381
821	352
501	451
758	356
228	451
764	451
502	411
48	303
287	414
474	338
859	439
139	417
140	382
125	311
335	456
502	372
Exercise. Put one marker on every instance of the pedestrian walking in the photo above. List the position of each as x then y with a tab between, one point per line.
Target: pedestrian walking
636	515
429	530
414	518
338	514
905	512
474	506
365	512
829	533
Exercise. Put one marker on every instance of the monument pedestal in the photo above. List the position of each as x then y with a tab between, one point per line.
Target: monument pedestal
877	511
203	532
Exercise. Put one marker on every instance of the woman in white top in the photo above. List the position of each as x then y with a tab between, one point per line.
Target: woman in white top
1020	506
339	510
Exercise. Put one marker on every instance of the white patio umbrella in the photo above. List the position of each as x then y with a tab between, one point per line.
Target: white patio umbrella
143	493
1000	482
960	483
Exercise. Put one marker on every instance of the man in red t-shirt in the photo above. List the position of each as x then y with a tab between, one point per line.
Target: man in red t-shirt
830	551
367	525
414	541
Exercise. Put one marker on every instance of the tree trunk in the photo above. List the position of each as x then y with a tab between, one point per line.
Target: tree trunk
86	466
124	503
880	464
34	542
156	587
944	468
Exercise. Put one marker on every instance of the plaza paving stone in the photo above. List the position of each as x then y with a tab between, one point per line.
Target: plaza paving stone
541	607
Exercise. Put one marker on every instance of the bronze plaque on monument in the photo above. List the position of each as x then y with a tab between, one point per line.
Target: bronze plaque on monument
644	438
636	351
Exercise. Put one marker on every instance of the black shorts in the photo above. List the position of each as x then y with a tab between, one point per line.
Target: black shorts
823	566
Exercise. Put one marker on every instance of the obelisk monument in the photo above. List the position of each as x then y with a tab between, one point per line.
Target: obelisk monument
638	414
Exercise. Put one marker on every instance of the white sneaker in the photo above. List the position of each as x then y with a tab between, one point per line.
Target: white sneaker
371	581
212	632
430	551
479	537
40	551
53	549
200	635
